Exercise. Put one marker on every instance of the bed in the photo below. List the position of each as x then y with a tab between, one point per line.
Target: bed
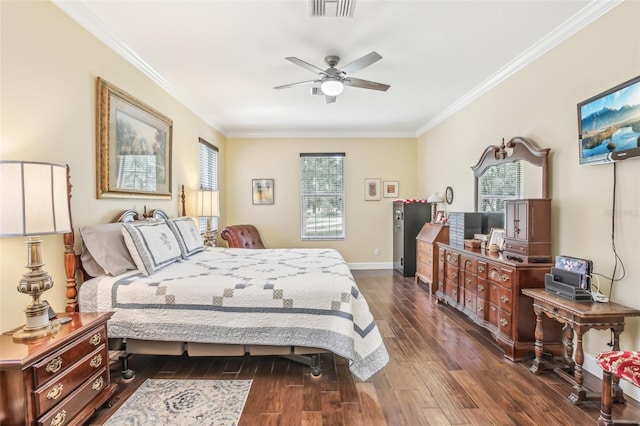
211	301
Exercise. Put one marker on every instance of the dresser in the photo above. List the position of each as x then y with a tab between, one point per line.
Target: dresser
427	252
56	380
487	288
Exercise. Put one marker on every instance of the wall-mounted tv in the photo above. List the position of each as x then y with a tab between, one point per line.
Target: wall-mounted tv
609	124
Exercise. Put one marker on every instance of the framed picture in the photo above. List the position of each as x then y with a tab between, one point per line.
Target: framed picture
371	189
133	147
262	191
497	237
440	217
390	188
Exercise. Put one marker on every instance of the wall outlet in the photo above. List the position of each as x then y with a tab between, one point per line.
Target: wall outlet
376	252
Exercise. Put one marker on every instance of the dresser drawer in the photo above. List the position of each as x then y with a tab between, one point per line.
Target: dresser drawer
482	288
515	247
482	308
493	314
494	293
470	301
65	383
470	282
505	323
453	258
452	273
425	249
506	299
75	402
425	272
469	264
452	291
61	360
482	269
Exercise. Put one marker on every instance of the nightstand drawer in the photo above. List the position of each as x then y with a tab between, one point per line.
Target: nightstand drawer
61	360
71	406
57	389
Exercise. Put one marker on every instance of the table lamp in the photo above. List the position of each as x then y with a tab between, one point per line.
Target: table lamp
434	199
34	202
208	207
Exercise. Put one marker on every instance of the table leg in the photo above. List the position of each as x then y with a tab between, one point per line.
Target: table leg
538	364
617	393
580	394
567	340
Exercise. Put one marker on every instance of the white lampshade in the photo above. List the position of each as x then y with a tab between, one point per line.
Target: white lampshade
208	203
33	199
435	198
331	86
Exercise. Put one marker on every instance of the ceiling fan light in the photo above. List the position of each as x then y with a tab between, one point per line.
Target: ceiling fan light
331	86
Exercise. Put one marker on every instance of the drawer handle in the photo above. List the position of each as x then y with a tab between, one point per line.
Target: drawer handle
504	299
480	308
55	392
95	339
521	248
468	300
505	277
503	322
454	292
493	308
97	385
454	275
467	280
54	365
59	418
96	361
448	258
468	263
481	268
480	287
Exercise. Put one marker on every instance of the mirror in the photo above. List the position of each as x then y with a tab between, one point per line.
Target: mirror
534	161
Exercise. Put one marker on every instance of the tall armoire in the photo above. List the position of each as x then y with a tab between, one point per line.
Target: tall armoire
408	218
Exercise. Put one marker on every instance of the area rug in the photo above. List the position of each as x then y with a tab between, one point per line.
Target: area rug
184	402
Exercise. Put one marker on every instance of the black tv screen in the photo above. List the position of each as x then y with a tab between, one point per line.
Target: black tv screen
609	124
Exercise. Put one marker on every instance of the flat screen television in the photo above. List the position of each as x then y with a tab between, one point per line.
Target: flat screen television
609	125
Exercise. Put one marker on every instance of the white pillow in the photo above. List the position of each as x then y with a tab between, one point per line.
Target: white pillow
187	234
152	244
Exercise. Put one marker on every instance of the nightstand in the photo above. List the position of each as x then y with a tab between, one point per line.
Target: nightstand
59	379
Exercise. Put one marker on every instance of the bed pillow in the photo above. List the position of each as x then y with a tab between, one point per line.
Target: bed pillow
188	235
106	251
152	244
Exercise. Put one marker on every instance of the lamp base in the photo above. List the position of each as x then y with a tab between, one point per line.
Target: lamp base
26	334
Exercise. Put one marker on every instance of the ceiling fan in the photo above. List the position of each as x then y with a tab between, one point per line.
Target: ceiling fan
332	80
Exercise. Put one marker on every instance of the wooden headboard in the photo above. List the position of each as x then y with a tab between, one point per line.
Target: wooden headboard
72	264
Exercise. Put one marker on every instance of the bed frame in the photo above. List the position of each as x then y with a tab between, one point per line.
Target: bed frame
76	275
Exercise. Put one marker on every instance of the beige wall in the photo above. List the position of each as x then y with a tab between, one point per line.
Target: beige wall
368	223
539	103
48	113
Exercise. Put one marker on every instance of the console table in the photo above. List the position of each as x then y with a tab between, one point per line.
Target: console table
578	317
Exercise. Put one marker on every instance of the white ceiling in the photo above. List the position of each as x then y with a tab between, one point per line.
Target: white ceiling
222	59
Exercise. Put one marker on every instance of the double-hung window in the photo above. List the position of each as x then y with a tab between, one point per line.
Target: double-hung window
208	176
322	196
500	183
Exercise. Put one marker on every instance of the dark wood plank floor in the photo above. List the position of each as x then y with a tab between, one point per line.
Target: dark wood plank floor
444	370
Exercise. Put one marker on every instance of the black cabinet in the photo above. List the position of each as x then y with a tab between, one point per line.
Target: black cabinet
408	219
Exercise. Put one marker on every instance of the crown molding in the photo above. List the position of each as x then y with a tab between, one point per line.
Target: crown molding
581	19
309	134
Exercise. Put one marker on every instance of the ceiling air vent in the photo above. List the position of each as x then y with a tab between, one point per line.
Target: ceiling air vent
337	8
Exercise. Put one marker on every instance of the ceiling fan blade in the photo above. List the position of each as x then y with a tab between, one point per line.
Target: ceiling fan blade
306	65
302	83
358	64
331	99
366	84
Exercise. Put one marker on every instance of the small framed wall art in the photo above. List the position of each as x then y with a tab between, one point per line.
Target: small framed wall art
262	191
372	189
390	188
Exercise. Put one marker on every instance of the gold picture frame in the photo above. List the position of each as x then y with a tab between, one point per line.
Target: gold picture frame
133	147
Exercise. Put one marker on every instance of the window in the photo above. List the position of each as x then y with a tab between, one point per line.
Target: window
499	183
322	196
208	176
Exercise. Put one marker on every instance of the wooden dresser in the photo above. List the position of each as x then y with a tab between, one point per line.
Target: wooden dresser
427	252
487	288
56	380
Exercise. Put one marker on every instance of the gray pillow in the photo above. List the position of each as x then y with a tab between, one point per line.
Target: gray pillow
188	235
106	246
152	244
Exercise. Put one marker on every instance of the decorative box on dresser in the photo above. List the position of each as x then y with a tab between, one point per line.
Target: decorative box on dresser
427	252
56	380
487	288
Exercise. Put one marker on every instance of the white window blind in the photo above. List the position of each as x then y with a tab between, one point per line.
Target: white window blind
208	176
499	183
322	196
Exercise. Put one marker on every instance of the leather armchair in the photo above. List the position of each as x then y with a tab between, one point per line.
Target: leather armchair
242	236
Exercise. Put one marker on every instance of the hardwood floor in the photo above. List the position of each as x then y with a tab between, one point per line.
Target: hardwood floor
443	370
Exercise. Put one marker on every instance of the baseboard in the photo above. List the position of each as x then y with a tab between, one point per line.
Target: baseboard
376	265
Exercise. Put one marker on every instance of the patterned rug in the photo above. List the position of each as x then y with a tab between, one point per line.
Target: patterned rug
184	402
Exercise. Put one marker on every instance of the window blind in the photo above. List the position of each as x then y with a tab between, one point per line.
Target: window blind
322	196
208	176
499	183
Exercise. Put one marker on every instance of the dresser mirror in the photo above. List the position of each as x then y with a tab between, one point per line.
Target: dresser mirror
505	158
